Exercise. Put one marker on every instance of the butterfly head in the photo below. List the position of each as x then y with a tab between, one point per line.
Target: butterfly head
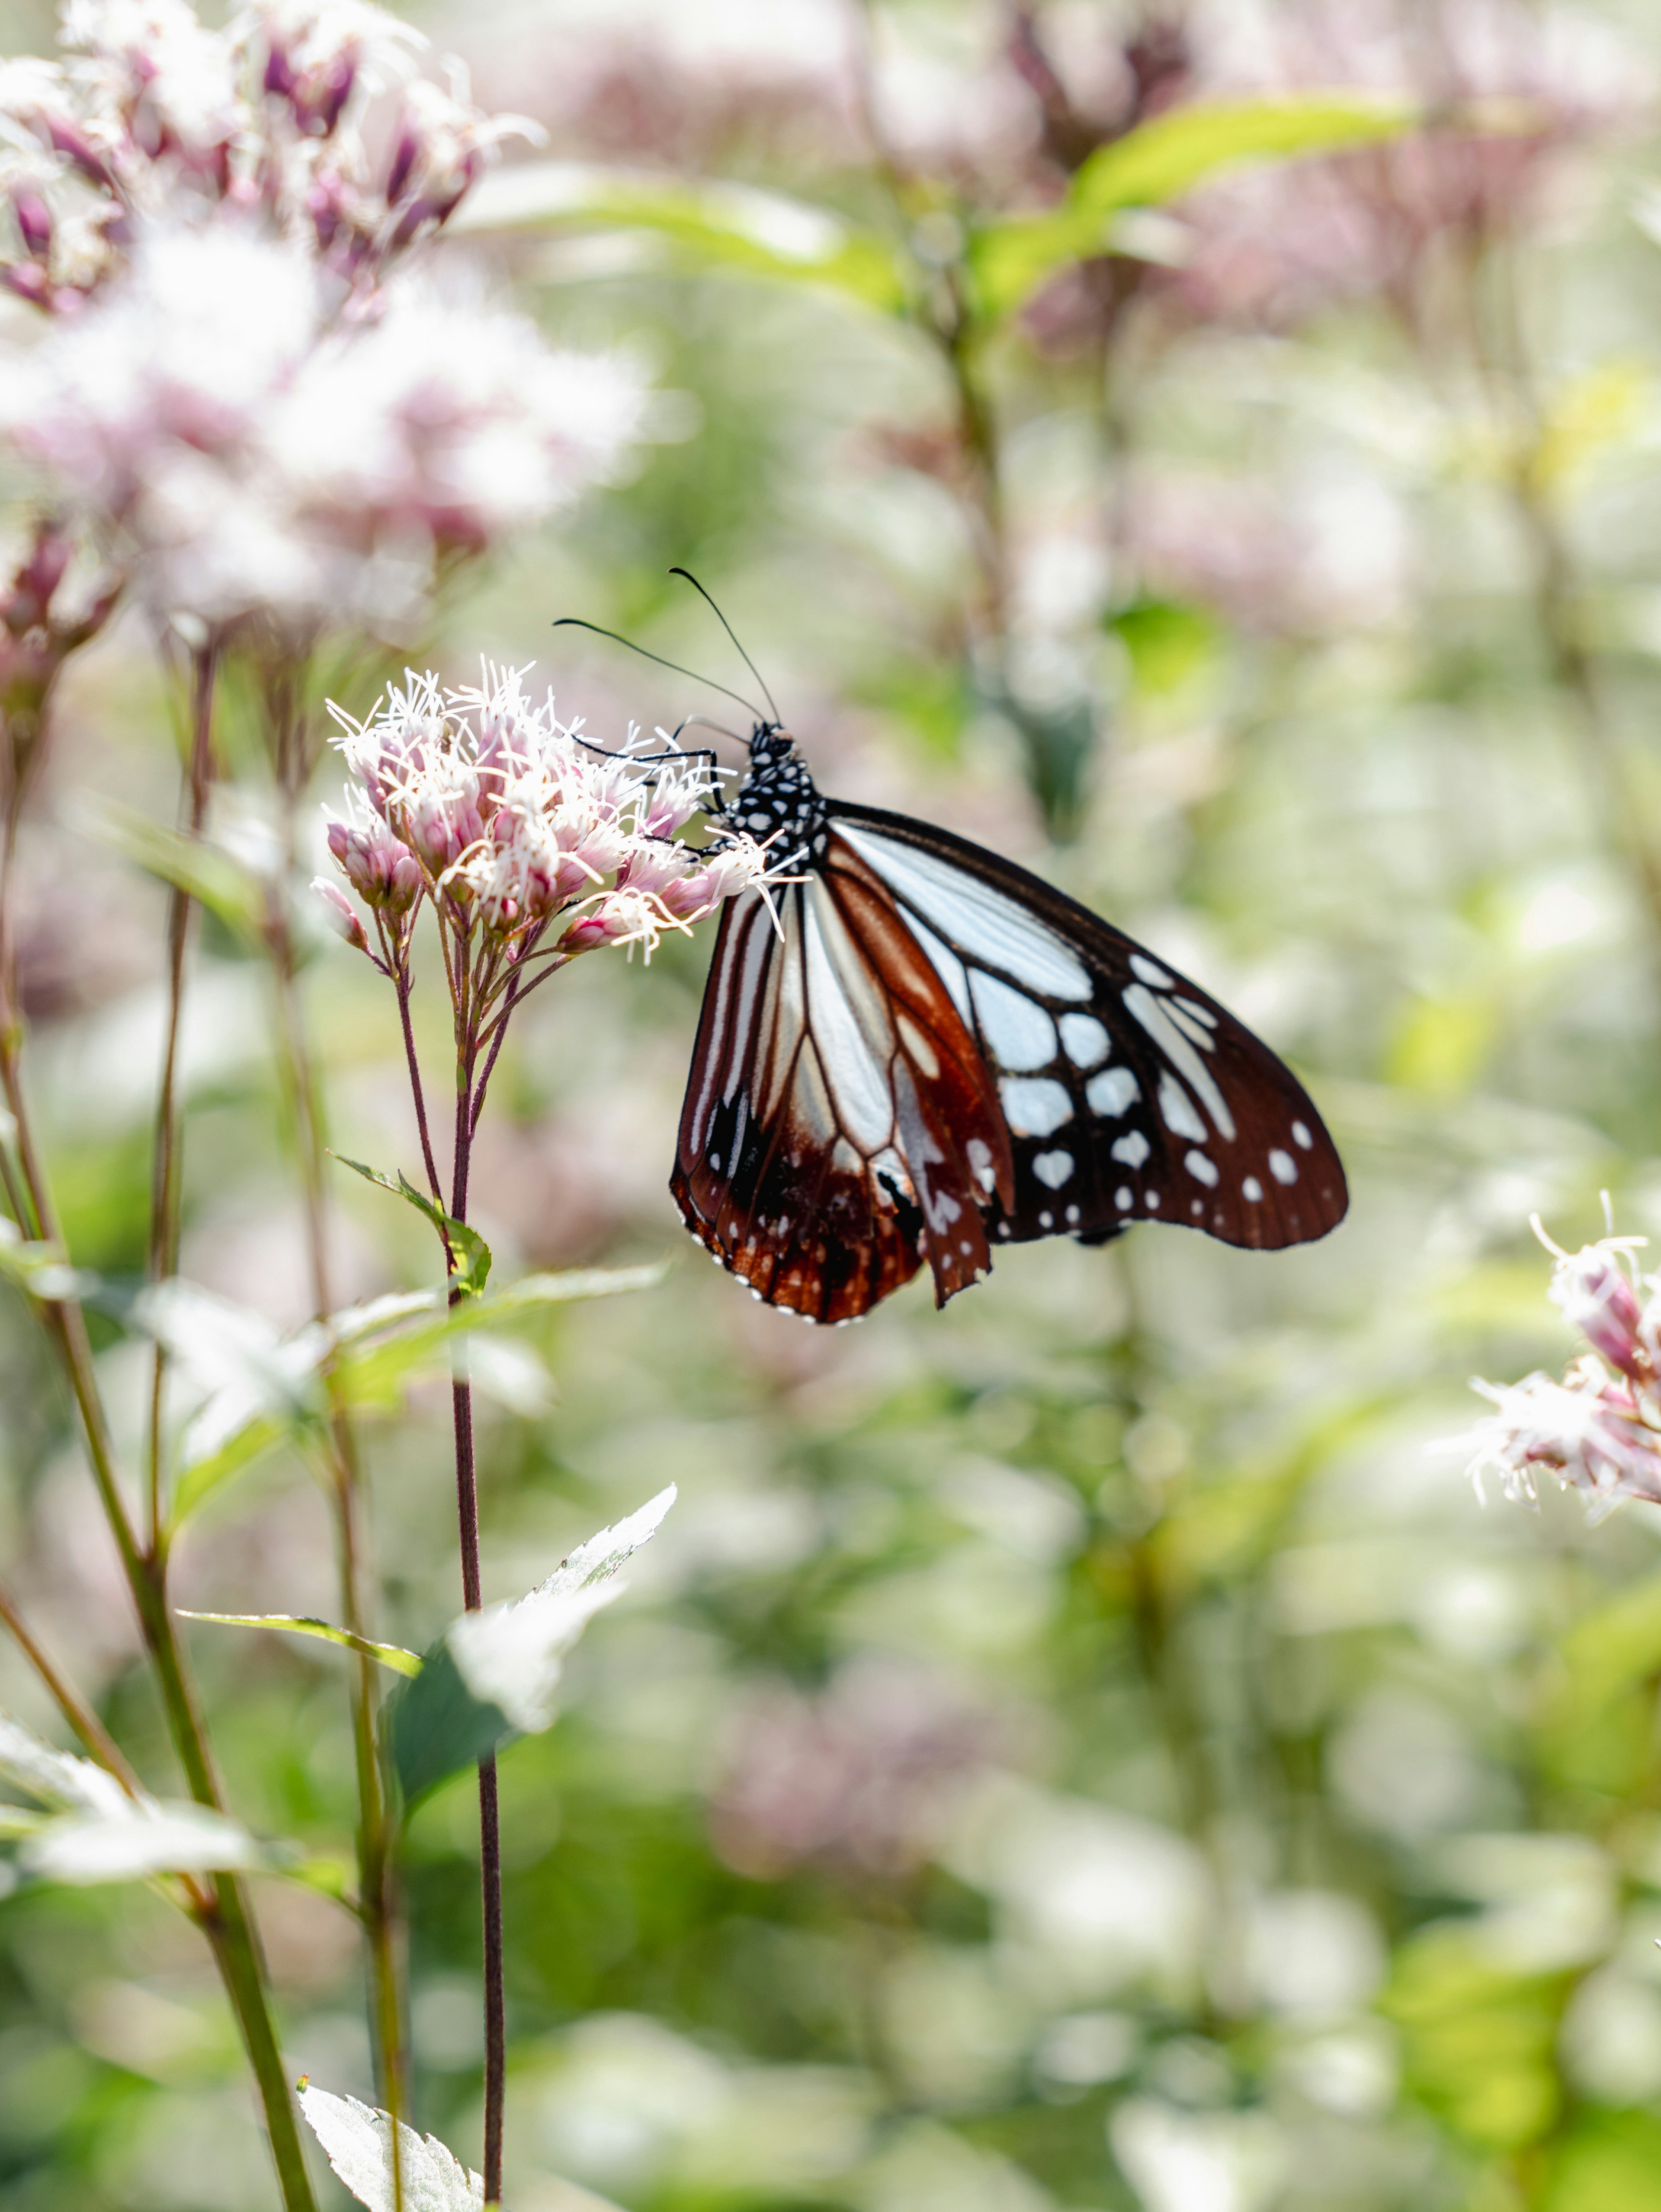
778	797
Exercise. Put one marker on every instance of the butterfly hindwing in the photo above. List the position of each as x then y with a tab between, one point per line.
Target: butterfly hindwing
1129	1093
840	1124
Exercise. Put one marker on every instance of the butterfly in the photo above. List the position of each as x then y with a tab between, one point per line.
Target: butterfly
916	1051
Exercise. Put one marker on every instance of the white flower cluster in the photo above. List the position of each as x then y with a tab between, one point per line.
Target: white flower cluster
1599	1429
249	452
257	403
511	822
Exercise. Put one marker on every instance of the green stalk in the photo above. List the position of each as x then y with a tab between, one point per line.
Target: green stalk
377	1893
378	1899
227	1921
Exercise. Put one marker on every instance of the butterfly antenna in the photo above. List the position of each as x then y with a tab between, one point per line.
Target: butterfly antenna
575	622
778	719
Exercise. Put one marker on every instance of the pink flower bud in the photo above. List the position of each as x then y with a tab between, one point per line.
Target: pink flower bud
341	913
383	871
591	932
1597	1296
34	222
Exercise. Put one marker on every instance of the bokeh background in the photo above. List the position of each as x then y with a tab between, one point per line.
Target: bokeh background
1086	1749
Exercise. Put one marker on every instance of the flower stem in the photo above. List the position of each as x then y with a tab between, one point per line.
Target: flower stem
377	1885
162	1256
227	1922
490	1821
94	1737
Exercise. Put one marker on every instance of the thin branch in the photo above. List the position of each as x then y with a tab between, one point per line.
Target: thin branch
162	1256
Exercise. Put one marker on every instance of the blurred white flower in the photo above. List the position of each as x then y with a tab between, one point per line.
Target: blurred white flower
1179	2161
251	453
456	424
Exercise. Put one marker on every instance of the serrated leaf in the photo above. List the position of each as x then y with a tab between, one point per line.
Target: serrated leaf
493	1673
100	1833
294	1624
1157	162
469	1255
437	1727
214	877
707	225
357	2141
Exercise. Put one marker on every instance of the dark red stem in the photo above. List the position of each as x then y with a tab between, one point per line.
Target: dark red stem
489	1823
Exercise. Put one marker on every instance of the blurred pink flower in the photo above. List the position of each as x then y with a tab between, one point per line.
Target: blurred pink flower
861	1778
310	114
1595	1430
251	453
506	817
1275	244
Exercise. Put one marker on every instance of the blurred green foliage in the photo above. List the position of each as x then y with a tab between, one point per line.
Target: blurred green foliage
1081	1750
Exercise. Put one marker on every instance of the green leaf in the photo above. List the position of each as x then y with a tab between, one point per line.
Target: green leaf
376	1376
294	1624
198	1478
1168	155
469	1255
437	1726
213	877
493	1673
704	225
1156	164
413	1329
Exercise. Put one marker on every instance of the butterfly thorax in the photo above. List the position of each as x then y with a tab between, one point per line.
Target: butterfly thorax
778	799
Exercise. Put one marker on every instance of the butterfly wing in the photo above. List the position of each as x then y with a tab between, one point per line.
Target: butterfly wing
1128	1092
840	1122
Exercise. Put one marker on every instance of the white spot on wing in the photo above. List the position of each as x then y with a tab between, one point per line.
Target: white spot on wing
1203	1169
1130	1152
1189	1028
1199	1013
1109	1093
864	1105
1150	971
945	964
1085	1039
1020	1033
1283	1167
1300	1136
1053	1169
1252	1190
987	925
1180	1053
1177	1111
1122	1198
1035	1106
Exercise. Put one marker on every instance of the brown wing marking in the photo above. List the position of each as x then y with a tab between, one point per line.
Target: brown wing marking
839	1123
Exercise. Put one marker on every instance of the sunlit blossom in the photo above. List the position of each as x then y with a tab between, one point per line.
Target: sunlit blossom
250	452
1599	1429
312	115
522	830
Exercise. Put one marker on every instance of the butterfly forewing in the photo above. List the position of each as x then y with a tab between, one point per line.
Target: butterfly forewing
840	1122
1129	1093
